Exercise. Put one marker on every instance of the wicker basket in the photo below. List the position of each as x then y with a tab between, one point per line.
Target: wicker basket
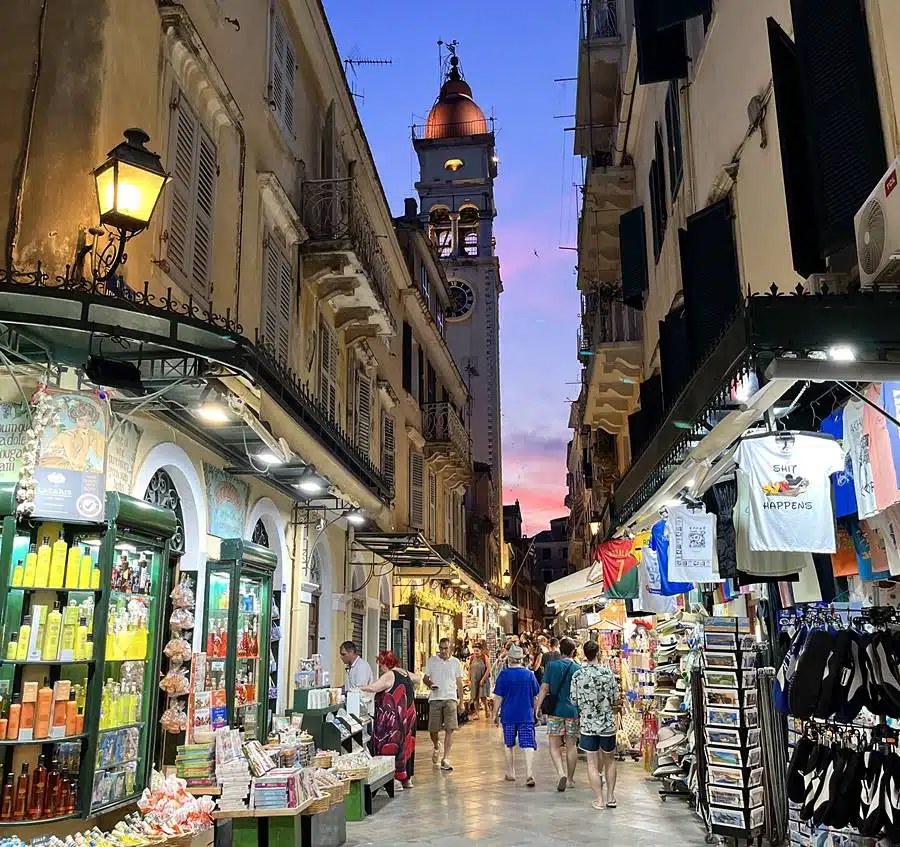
359	773
344	787
323	760
180	840
318	806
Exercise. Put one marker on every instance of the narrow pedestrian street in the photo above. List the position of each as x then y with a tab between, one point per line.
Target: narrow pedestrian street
474	804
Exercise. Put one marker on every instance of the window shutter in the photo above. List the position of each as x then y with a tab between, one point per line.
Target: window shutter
363	413
655	216
673	12
204	215
182	138
290	80
416	490
432	504
278	43
407	357
420	396
637	433
674	356
278	295
662	53
383	631
633	249
387	447
711	280
652	403
843	118
328	367
797	170
673	129
357	623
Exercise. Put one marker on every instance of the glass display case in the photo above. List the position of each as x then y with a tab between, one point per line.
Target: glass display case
79	627
237	633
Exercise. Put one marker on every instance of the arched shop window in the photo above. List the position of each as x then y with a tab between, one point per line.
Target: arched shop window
260	534
161	491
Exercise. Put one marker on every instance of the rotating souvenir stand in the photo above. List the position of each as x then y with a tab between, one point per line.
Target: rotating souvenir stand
236	633
80	630
731	732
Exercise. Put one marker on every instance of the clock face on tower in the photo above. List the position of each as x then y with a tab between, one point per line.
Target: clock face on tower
462	300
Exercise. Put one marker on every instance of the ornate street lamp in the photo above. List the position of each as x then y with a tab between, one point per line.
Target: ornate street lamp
129	184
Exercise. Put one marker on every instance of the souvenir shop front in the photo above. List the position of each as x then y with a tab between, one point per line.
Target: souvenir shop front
757	534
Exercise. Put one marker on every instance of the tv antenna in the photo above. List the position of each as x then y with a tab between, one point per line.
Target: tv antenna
351	64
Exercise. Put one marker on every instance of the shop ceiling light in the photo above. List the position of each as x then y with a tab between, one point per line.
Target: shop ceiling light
312	483
842	353
267	457
356	516
212	413
455	579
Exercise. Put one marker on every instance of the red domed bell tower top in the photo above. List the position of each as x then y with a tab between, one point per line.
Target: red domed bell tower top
455	114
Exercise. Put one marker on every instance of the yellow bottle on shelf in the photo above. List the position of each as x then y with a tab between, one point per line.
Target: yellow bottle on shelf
52	630
30	567
95	578
18	575
12	649
58	563
84	573
81	634
67	650
24	638
73	567
42	569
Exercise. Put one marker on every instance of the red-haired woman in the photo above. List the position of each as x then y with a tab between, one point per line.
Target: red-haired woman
394	733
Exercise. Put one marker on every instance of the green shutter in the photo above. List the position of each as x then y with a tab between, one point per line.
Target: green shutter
633	250
662	53
673	12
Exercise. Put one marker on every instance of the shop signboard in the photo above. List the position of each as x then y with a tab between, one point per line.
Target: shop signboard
227	498
71	468
13	424
121	453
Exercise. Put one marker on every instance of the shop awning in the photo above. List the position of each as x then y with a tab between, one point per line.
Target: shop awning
412	555
582	587
707	417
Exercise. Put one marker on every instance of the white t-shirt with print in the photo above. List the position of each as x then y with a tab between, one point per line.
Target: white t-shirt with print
790	491
887	525
649	585
692	544
856	445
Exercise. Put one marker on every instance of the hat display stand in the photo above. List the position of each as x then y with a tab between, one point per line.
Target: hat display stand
732	753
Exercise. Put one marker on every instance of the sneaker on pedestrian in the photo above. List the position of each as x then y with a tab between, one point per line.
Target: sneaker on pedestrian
445	765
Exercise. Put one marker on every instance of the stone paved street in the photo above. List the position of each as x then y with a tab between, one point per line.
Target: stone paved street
474	804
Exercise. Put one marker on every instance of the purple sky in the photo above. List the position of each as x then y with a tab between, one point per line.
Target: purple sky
510	53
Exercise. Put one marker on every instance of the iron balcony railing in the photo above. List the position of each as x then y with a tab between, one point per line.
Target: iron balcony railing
613	323
441	425
599	19
333	211
434	131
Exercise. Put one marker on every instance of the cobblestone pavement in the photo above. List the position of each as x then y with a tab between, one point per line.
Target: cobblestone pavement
473	804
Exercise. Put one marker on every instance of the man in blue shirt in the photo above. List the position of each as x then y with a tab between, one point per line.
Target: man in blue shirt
515	703
562	720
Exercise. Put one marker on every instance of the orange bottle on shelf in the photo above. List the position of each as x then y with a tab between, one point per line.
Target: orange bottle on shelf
23	786
38	791
50	807
15	715
9	797
71	715
42	715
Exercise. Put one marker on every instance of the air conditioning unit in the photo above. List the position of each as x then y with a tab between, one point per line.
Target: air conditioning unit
877	226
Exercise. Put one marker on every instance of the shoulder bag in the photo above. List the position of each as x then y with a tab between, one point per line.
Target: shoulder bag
549	706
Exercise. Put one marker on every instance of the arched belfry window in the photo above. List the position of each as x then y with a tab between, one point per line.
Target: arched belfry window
441	230
161	491
468	231
260	534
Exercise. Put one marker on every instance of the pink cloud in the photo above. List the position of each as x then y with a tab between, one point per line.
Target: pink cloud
538	482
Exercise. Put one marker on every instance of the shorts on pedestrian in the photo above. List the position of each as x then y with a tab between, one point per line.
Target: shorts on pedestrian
563	727
525	733
442	715
595	743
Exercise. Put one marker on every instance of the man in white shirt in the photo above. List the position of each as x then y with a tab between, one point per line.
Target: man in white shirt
357	672
443	675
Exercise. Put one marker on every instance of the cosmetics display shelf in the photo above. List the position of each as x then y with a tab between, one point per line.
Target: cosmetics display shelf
49	662
42	741
41	821
29	589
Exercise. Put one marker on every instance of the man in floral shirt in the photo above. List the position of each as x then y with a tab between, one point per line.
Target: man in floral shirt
595	691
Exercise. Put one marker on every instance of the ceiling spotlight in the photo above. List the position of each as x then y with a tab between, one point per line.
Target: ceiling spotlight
842	353
212	413
311	482
455	579
356	516
268	457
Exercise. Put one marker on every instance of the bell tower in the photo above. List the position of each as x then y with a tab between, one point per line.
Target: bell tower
457	169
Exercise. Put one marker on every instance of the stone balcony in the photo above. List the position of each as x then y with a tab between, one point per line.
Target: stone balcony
447	445
344	258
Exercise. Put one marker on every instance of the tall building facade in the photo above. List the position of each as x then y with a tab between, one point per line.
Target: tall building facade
458	166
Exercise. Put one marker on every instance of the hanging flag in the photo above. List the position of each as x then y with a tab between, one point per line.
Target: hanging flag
620	568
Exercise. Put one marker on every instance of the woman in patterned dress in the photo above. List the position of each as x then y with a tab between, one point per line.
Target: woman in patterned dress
394	733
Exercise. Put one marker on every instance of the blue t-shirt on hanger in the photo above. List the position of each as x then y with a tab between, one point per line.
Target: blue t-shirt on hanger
659	543
890	402
842	481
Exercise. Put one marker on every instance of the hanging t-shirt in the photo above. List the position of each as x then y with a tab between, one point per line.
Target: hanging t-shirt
649	598
872	561
887	525
875	425
617	561
856	445
890	402
842	481
691	545
659	543
790	491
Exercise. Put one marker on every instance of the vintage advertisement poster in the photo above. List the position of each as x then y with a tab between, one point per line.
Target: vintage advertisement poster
71	467
227	499
121	453
13	424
